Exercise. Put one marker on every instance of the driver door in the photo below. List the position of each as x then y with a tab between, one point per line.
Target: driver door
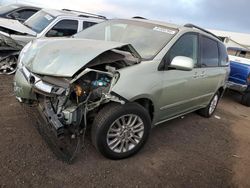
180	89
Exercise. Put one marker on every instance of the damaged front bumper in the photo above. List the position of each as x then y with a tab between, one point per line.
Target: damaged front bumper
24	92
53	120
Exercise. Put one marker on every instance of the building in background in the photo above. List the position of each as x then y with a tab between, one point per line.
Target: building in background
233	39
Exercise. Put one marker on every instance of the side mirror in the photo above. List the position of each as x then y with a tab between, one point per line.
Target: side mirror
182	63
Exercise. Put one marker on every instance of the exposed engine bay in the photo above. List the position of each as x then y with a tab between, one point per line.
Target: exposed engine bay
72	104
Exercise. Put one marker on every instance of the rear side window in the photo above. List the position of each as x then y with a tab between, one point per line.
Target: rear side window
87	24
209	52
186	46
63	28
223	55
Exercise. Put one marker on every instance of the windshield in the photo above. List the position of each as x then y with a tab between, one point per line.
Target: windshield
39	21
7	9
148	39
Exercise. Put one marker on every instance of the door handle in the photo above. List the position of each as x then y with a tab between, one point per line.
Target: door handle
203	74
195	75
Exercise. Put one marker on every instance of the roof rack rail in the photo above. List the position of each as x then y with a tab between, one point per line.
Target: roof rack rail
85	14
139	17
204	30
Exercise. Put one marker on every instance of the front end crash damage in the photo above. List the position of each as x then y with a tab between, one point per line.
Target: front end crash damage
68	105
9	51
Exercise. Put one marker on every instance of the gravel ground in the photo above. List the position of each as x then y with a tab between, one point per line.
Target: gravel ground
187	152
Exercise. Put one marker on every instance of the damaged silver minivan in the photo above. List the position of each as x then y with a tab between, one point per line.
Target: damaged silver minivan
122	77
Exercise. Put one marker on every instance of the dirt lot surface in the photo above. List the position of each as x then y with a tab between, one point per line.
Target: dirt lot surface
186	152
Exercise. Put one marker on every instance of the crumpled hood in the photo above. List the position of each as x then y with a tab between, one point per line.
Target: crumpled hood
64	57
16	26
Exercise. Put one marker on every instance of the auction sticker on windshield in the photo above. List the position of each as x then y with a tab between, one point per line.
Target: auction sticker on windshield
164	30
48	17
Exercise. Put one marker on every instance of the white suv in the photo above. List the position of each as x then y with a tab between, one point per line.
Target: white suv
15	35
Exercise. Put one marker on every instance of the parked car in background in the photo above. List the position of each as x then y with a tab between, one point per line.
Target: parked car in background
239	79
18	12
122	77
46	23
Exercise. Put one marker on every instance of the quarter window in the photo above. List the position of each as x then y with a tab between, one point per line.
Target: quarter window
209	52
63	28
87	24
186	46
223	55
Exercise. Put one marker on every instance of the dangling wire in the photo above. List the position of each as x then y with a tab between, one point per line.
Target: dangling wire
83	133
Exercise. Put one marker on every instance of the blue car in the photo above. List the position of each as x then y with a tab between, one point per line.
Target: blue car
239	79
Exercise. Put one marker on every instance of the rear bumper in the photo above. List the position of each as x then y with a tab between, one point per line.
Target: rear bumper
236	87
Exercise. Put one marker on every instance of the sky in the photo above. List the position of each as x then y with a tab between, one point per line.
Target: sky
228	15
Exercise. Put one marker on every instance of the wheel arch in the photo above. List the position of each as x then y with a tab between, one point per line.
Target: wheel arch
147	104
221	91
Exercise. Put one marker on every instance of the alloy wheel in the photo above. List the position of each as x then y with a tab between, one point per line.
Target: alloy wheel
125	133
8	65
213	104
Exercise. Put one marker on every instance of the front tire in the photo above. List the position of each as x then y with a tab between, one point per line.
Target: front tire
209	110
245	100
120	131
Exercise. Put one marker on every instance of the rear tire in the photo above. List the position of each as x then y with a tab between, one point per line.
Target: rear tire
245	100
209	110
120	131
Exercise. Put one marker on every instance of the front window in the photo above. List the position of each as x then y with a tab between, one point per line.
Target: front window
39	21
147	38
63	28
186	46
